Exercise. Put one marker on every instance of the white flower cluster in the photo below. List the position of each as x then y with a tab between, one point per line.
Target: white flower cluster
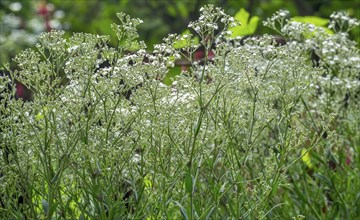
300	31
280	18
208	22
53	40
336	53
341	22
127	34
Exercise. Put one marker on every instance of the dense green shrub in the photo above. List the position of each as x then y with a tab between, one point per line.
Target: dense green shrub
261	131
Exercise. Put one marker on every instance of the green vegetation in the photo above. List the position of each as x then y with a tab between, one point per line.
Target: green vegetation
252	130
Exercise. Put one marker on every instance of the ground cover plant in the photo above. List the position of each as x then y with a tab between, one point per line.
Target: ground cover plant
259	130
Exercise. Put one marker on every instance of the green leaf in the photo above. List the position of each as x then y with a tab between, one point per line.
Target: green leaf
182	210
53	209
171	10
189	183
184	11
169	78
247	26
208	216
317	21
306	158
178	9
208	212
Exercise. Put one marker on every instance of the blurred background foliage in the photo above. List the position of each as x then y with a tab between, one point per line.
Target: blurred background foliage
22	20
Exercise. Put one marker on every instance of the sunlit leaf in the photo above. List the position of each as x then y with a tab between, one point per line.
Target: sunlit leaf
247	27
317	21
306	158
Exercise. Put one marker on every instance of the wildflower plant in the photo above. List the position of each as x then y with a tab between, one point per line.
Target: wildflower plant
105	138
